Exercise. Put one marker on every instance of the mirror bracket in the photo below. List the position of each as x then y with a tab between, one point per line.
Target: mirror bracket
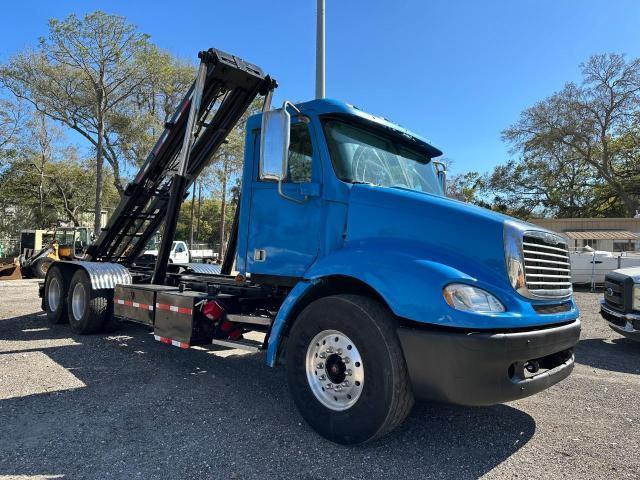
441	172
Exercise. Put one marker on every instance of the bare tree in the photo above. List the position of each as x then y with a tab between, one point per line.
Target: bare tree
589	130
38	142
11	116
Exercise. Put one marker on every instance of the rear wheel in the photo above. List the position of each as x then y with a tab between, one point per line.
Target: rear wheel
346	370
88	309
55	304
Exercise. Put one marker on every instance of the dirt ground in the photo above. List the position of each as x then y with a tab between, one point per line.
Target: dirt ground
125	406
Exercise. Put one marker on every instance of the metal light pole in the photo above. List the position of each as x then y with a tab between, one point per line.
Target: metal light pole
320	50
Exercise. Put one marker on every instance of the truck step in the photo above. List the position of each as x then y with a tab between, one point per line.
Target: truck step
249	319
248	345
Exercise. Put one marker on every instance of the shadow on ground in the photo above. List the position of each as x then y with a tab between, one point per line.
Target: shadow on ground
617	355
148	410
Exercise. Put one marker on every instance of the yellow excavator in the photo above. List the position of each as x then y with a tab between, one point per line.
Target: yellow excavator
40	248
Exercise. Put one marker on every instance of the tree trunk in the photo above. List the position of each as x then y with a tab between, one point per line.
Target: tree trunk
199	207
223	211
41	190
193	211
111	157
97	224
630	204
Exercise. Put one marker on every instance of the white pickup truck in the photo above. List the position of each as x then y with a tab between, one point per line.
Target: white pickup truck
620	306
180	254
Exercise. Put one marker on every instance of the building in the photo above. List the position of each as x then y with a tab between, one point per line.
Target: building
610	234
86	219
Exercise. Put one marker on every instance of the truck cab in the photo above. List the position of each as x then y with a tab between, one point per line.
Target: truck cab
357	203
371	286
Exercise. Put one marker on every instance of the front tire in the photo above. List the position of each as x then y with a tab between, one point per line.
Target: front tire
88	309
41	266
357	388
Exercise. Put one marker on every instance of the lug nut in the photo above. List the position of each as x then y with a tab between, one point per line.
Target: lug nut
345	383
339	351
349	372
322	355
346	360
323	377
329	386
330	350
338	388
320	365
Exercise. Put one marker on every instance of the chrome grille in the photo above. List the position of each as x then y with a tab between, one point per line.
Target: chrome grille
547	269
614	293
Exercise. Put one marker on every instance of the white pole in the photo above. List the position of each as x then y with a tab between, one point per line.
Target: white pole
320	50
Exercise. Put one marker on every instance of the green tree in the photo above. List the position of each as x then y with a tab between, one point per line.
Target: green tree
81	75
466	187
578	148
45	186
224	173
137	125
11	116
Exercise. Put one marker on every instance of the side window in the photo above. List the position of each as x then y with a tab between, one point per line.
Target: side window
179	248
300	154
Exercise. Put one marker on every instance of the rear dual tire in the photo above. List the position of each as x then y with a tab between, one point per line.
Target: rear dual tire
54	301
364	332
88	309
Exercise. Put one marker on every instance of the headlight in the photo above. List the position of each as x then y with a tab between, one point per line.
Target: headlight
636	297
471	299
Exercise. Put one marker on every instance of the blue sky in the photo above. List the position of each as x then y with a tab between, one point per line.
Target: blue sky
456	72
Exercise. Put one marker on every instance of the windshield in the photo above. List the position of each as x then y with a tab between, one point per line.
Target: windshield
365	155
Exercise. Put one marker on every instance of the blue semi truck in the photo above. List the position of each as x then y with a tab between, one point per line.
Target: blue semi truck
363	279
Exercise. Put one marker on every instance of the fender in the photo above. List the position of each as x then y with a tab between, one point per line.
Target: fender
411	285
102	275
282	318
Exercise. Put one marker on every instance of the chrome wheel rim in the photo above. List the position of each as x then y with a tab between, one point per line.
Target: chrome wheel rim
335	370
54	294
78	301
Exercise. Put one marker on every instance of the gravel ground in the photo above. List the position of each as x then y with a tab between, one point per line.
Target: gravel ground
125	406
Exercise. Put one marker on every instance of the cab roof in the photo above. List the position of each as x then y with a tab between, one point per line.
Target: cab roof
331	106
328	106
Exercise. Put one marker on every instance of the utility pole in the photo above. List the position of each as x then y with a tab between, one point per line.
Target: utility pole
320	50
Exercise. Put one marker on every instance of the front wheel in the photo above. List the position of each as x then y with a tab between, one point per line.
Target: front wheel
41	267
346	370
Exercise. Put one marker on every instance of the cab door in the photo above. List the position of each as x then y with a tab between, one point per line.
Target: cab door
284	227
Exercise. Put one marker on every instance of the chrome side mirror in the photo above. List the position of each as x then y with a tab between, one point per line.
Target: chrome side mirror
274	144
441	172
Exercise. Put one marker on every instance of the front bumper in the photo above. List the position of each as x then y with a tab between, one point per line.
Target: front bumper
475	368
627	324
